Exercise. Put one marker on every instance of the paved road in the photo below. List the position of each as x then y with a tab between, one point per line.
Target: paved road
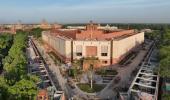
62	82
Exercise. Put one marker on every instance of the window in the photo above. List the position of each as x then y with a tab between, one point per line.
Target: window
104	50
103	54
79	50
104	61
79	54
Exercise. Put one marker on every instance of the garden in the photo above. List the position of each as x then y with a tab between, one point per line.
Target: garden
105	72
87	87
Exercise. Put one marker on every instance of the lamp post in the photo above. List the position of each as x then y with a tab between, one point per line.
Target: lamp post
91	76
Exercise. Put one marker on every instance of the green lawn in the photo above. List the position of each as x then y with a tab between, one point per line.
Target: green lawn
86	88
107	72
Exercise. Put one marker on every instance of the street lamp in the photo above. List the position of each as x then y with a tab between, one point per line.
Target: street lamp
91	75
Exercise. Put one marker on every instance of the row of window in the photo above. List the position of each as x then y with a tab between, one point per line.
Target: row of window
80	54
104	50
102	54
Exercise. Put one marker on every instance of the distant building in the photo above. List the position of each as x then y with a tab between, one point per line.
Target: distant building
56	26
19	26
44	25
4	29
76	27
109	46
147	30
107	27
12	28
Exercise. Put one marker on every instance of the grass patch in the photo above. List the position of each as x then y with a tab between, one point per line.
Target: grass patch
88	89
106	72
56	60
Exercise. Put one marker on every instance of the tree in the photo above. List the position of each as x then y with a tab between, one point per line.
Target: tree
5	44
3	89
164	52
33	78
16	84
15	62
36	32
164	67
152	35
23	90
166	37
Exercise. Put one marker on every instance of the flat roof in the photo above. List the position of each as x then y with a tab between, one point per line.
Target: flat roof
87	35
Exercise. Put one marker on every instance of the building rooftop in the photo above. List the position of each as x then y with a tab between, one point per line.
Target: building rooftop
91	32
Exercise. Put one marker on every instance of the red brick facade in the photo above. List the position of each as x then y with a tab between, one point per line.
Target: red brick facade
91	51
110	47
92	32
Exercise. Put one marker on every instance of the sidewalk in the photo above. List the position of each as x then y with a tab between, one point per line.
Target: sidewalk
62	82
125	74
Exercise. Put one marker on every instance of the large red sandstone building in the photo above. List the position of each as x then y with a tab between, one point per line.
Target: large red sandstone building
12	28
109	46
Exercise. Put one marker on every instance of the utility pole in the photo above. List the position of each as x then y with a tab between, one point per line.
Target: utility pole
91	76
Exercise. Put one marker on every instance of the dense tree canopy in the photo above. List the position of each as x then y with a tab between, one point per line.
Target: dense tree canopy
15	62
5	40
5	44
165	54
3	89
16	83
36	32
23	90
152	35
164	67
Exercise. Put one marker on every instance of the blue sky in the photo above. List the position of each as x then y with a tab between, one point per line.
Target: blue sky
79	11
